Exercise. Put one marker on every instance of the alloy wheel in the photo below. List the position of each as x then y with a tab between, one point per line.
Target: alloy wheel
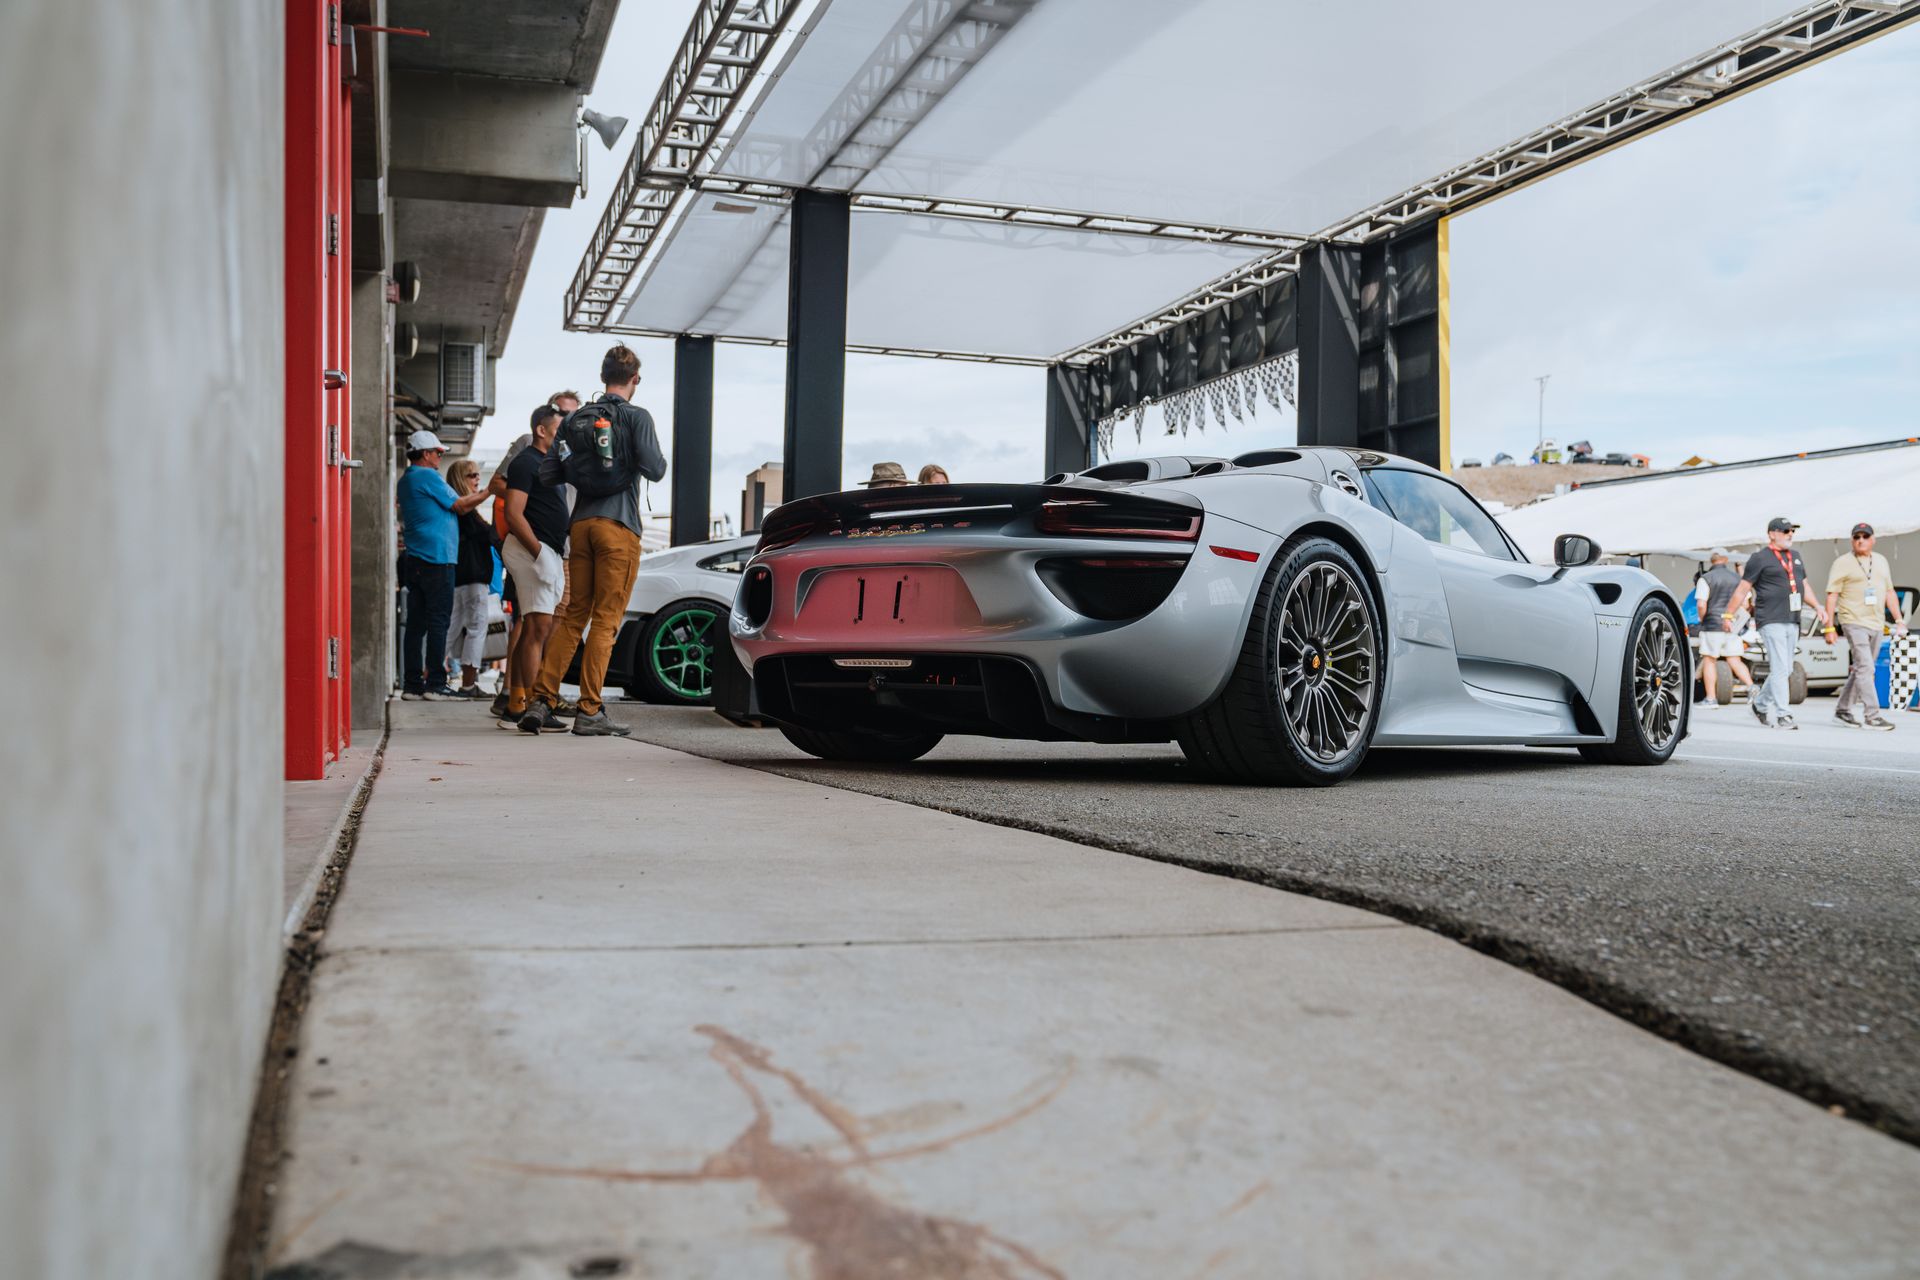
682	651
1326	661
1657	687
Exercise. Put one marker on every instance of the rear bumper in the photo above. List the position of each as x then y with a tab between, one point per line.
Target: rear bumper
1088	678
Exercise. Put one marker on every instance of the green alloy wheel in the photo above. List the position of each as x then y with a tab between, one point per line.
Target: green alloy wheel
676	653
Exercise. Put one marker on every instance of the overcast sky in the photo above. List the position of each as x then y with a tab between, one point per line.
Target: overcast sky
1742	283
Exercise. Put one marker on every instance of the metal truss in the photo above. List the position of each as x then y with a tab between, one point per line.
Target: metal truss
1807	35
725	46
1016	215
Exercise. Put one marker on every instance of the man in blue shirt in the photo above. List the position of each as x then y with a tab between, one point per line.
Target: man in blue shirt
430	529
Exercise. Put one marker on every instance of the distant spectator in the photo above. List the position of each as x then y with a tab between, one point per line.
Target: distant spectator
1860	597
565	401
1776	579
1719	629
603	551
886	475
472	583
429	515
934	473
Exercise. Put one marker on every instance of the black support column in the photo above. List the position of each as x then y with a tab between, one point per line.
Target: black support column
1328	305
1069	434
816	343
692	439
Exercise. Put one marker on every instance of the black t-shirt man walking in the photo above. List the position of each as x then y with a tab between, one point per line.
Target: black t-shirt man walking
1775	578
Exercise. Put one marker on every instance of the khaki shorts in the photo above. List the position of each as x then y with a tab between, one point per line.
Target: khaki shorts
1719	644
538	583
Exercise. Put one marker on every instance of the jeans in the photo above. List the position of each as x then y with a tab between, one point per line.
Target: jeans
1779	639
423	645
467	635
1864	644
604	556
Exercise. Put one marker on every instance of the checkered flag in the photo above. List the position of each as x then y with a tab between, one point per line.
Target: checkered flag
1903	661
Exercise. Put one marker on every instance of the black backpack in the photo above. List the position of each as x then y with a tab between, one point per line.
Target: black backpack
592	473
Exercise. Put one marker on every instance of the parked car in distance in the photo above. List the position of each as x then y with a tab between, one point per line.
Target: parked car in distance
1469	462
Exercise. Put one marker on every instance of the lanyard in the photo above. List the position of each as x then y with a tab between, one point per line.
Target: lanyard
1786	565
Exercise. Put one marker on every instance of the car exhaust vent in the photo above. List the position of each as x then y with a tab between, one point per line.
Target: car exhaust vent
1347	485
756	595
1609	592
1267	457
1112	589
1135	470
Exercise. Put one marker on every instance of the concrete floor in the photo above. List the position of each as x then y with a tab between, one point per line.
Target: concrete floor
595	1008
1756	898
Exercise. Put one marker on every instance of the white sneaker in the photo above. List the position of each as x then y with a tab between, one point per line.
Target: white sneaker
413	697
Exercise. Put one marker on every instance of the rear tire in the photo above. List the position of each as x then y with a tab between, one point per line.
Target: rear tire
1304	698
1652	716
865	748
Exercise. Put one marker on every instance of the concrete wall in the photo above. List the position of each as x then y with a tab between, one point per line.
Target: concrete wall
373	659
140	349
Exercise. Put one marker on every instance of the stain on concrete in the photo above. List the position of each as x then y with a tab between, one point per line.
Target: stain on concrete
848	1231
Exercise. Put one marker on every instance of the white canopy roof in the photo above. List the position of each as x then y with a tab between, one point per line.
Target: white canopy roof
1283	114
1275	115
1729	506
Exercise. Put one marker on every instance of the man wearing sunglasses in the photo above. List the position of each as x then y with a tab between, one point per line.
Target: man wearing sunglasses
1776	580
1860	596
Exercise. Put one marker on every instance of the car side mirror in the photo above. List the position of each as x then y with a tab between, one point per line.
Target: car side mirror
1575	551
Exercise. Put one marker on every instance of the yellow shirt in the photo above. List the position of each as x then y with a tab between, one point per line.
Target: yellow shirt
1851	580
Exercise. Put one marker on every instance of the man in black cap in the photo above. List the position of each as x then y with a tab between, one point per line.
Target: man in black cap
1776	579
1860	597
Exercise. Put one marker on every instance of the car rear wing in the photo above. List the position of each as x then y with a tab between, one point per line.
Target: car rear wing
1048	508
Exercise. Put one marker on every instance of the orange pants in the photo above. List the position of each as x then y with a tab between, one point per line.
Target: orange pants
601	563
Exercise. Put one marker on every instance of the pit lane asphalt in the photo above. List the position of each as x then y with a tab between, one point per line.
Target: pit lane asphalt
1757	899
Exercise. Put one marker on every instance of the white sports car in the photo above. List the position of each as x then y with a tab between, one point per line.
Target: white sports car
1275	615
675	616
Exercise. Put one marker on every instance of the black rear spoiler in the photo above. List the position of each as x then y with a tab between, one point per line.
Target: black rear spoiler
860	508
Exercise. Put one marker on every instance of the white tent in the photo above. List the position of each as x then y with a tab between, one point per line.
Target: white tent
1729	506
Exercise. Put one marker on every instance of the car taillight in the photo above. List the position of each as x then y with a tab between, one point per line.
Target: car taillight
1094	519
1110	588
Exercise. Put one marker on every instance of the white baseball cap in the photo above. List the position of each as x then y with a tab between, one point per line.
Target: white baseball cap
421	441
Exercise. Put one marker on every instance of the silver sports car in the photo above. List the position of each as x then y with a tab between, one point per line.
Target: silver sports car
1276	615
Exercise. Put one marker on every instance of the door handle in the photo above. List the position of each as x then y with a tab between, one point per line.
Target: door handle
349	464
333	378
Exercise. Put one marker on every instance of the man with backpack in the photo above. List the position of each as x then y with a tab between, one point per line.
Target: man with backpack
611	446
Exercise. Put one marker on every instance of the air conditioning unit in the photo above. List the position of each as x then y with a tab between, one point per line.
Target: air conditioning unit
466	381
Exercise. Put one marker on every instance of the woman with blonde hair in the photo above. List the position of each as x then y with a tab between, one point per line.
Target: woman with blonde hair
934	473
472	582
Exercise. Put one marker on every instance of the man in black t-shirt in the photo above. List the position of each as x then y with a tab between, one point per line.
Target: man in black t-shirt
1776	580
536	539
